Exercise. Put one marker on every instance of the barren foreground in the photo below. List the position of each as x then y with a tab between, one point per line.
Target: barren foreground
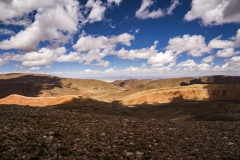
48	133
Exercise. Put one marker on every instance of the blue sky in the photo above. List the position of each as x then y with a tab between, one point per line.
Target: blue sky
102	38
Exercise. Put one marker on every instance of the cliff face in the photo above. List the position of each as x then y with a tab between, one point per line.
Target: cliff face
187	93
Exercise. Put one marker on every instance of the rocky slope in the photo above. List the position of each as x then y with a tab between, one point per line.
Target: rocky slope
46	133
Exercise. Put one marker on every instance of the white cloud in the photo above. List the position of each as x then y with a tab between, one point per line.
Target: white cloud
103	63
143	53
34	68
174	4
143	11
71	57
44	56
235	60
144	65
97	12
55	23
214	12
10	9
237	41
19	66
208	59
218	43
112	26
195	45
5	58
227	52
114	1
204	67
19	21
187	63
90	72
6	32
94	54
109	71
86	43
161	59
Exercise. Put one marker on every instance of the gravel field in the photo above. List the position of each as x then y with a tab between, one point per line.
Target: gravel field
47	133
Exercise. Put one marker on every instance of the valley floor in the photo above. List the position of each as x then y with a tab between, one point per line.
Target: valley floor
50	133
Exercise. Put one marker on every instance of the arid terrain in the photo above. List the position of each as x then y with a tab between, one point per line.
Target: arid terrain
47	117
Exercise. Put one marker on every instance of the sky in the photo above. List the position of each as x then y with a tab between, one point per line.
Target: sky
106	38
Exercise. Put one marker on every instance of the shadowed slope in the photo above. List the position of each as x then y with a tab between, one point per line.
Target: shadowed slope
27	85
37	85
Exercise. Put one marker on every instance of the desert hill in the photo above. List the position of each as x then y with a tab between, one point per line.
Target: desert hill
38	85
44	90
185	98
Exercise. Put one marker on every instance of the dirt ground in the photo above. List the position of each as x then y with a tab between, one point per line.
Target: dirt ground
184	131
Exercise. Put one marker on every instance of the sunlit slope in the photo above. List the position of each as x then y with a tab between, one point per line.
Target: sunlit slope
197	92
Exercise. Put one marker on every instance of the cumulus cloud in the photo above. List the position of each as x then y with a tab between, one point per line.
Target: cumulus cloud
71	57
214	12
103	63
144	13
227	52
55	24
194	45
94	54
187	63
5	58
6	32
218	43
92	48
237	41
44	56
204	67
235	61
97	10
208	59
143	53
10	9
161	59
86	43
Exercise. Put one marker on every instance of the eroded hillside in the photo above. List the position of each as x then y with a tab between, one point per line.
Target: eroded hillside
43	90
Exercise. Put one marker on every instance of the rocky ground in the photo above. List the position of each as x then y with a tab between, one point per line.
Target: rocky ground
47	133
